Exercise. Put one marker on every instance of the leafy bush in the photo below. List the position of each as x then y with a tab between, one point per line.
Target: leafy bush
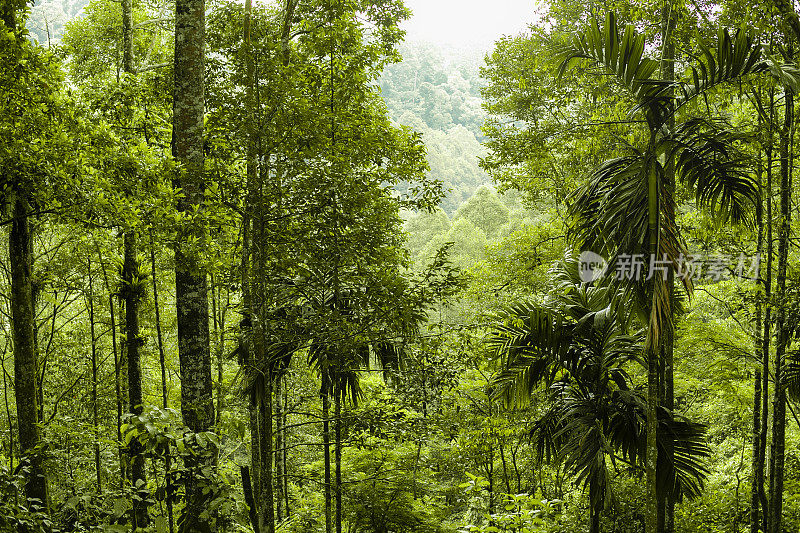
518	513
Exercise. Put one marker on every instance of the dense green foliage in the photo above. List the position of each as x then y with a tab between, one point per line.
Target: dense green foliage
402	330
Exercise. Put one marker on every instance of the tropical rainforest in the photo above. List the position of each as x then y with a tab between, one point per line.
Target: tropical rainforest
269	267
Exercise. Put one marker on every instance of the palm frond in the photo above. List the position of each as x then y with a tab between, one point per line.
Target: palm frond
732	57
622	57
530	340
546	435
786	73
685	475
609	213
791	375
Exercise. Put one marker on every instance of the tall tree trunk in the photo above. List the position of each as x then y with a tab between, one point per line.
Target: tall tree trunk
221	350
123	470
777	449
23	317
191	288
767	337
654	346
117	366
247	330
282	393
756	462
41	362
20	244
127	36
132	292
246	354
490	474
162	358
667	400
262	355
218	323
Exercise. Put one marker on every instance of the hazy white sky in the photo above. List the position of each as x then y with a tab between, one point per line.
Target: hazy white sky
464	21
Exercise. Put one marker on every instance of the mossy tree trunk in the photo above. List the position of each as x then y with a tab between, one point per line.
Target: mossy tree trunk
20	250
191	286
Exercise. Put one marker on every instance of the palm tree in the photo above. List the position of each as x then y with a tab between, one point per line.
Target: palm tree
578	343
627	207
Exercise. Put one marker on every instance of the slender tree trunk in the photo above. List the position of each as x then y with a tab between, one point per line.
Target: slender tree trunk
6	379
117	367
247	485
284	452
123	470
132	292
490	475
668	348
127	36
20	250
654	345
517	473
95	420
767	336
505	468
337	406
282	477
777	449
162	361
279	445
221	349
326	445
41	362
246	353
757	468
267	497
757	464
262	356
217	333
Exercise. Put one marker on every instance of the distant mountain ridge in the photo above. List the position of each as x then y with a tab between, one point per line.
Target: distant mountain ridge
436	91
